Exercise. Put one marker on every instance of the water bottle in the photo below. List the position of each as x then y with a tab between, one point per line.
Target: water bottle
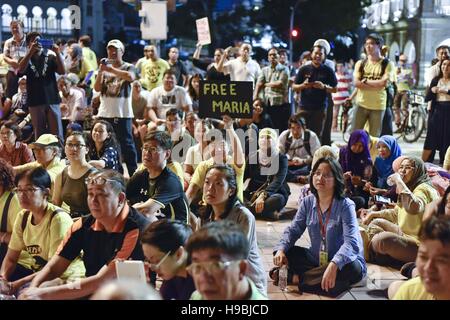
282	278
392	179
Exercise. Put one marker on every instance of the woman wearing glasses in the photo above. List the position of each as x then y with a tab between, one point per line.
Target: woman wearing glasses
393	234
70	187
220	193
335	259
163	245
39	229
13	151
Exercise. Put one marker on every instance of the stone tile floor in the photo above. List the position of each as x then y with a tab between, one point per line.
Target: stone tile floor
268	233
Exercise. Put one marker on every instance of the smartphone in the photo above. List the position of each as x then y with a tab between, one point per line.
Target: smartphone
46	43
104	61
382	200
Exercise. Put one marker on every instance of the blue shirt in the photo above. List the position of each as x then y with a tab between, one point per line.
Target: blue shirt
344	243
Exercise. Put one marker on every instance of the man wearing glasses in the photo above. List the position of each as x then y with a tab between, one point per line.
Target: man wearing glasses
157	189
110	233
218	252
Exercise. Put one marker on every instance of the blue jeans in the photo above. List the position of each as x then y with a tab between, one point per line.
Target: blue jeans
295	171
124	133
47	119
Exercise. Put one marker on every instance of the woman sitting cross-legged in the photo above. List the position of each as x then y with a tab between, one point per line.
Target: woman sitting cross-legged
335	260
392	234
267	191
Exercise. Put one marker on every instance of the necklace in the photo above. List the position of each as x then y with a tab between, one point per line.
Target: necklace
44	69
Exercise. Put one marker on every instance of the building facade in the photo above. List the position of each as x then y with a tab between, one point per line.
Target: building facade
413	27
55	19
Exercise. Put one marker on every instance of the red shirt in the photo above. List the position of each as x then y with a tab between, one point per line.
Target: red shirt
20	155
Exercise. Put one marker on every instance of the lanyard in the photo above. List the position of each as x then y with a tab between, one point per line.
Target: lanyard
323	227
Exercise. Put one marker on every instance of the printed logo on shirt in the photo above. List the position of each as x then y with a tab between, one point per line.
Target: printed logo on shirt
172	99
34	250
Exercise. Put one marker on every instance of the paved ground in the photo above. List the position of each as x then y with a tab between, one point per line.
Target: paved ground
378	277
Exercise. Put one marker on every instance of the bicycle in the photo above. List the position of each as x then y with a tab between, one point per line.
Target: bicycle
415	120
345	123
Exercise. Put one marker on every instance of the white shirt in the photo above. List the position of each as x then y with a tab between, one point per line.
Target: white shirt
164	100
242	71
194	156
296	150
74	102
431	73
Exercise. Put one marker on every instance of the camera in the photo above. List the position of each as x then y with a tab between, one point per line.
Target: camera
46	43
105	61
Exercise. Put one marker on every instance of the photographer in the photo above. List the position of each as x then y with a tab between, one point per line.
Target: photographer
40	65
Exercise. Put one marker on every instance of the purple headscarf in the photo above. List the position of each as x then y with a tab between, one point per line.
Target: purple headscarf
356	162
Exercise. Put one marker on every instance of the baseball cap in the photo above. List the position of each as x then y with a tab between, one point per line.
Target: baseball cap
323	43
116	44
45	140
268	132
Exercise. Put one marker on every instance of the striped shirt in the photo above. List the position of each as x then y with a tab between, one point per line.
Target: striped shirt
343	88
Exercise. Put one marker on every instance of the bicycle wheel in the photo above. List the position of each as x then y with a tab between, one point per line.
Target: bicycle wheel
415	126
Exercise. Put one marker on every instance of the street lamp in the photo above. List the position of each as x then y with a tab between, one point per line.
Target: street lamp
291	29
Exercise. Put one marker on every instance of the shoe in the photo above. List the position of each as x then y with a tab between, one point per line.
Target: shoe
407	269
286	214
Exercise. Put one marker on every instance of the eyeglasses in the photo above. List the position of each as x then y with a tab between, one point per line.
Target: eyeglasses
27	191
76	146
210	267
155	267
151	149
100	181
319	174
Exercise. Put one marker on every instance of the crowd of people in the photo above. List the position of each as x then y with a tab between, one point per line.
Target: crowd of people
102	160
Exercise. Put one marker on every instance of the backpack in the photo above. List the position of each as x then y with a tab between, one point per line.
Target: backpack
306	144
384	64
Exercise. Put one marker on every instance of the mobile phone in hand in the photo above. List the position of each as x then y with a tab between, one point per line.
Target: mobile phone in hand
46	43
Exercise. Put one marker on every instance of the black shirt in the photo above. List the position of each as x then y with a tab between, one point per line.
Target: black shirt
41	84
179	69
315	99
165	189
101	247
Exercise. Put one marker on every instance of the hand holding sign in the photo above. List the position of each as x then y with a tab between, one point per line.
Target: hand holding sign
203	34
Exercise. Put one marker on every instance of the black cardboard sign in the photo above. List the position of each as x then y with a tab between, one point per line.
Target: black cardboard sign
233	98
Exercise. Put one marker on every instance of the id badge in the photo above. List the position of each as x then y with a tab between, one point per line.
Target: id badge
323	258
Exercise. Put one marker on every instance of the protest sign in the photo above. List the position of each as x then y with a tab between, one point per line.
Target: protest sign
203	34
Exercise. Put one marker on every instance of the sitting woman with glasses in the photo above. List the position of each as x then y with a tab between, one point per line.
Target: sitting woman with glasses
335	259
220	192
39	229
392	235
104	150
163	245
70	187
11	149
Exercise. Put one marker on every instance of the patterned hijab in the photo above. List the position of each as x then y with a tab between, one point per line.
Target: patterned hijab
384	166
420	174
356	162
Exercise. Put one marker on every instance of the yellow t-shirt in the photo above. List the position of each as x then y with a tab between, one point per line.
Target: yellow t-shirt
372	99
152	73
42	240
91	57
413	289
13	210
410	223
200	174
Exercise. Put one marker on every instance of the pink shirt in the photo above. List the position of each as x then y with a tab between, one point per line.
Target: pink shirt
21	154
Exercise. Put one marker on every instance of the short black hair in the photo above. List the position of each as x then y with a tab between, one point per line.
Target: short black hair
163	138
436	228
174	112
442	47
31	36
296	119
38	177
86	40
336	169
375	37
6	175
169	72
119	182
14	127
166	235
223	235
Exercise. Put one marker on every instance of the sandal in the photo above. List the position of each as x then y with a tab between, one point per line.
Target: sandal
273	274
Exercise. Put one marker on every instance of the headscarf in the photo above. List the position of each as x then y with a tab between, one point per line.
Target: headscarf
356	162
324	152
266	159
384	166
420	174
